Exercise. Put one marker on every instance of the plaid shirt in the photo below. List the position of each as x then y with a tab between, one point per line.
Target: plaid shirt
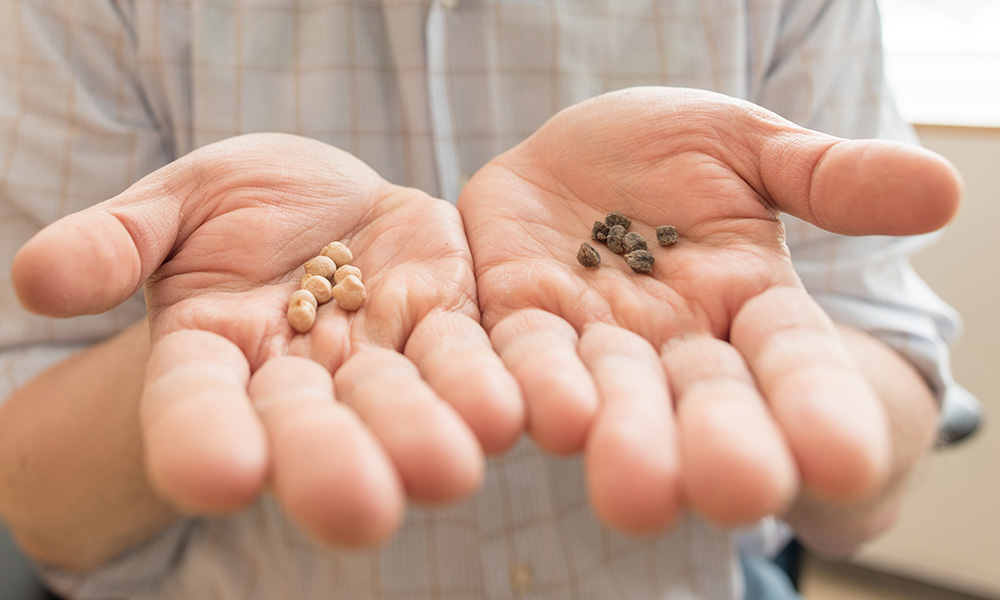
95	94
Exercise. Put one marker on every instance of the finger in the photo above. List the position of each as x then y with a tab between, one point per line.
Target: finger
205	449
854	187
829	414
87	262
456	359
736	466
631	455
436	455
327	470
540	351
115	245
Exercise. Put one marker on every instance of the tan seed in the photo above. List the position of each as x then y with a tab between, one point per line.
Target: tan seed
302	296
338	252
344	271
350	293
301	314
323	266
320	287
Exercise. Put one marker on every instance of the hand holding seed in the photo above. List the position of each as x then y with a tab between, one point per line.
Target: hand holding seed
714	383
344	415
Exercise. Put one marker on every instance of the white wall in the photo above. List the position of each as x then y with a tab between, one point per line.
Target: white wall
950	530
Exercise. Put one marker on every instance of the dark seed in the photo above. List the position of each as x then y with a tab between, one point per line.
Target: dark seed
616	239
666	235
616	218
634	241
641	261
588	257
600	231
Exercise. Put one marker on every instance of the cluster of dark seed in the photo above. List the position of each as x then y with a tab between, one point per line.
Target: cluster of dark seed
613	231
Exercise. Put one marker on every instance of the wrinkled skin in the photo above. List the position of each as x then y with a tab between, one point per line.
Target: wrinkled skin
232	404
715	383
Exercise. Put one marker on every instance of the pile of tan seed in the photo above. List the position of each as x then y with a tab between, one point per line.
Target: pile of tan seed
613	231
329	276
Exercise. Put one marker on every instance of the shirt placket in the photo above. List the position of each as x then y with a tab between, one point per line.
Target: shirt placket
443	127
523	556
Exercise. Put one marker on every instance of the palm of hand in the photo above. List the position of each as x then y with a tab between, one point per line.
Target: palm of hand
235	402
732	243
715	383
232	276
684	386
233	272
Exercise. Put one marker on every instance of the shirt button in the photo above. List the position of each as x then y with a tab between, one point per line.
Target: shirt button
522	577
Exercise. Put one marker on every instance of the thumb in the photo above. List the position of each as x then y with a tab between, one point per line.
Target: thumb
857	187
91	261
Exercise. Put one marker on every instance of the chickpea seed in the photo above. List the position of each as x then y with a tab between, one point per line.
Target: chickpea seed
300	296
350	293
320	287
344	271
339	253
301	312
323	266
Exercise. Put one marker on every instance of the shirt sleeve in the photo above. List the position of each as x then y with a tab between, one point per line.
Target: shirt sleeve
826	73
137	573
74	130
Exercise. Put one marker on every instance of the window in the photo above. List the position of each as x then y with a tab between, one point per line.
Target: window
943	60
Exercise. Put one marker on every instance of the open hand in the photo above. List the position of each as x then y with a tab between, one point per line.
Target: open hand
715	383
235	401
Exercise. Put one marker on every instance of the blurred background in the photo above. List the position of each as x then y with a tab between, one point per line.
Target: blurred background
944	65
